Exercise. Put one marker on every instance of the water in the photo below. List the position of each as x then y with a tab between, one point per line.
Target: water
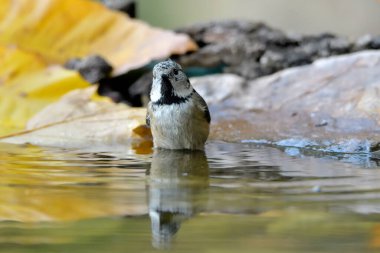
233	198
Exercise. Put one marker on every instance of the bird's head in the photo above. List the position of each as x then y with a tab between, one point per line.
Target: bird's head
170	83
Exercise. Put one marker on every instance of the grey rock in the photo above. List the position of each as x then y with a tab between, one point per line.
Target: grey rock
375	44
367	42
248	68
272	60
297	57
141	87
332	105
340	46
208	57
363	42
254	49
92	68
215	89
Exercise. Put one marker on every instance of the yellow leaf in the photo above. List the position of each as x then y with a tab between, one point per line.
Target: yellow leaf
27	94
37	34
59	30
15	62
78	121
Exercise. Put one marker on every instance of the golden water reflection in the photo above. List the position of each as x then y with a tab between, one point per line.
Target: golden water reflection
42	185
236	197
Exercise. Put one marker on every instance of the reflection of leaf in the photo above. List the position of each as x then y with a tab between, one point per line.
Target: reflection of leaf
45	205
35	189
59	30
375	243
38	34
78	121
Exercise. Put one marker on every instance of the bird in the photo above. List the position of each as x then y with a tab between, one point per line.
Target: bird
178	116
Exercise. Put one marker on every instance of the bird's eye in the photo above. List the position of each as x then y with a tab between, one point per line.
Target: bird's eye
175	71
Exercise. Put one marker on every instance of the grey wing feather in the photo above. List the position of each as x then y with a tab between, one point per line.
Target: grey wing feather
147	118
204	108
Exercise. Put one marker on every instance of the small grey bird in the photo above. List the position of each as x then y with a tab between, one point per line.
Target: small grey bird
177	115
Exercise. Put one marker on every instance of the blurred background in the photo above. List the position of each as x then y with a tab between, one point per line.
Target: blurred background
350	18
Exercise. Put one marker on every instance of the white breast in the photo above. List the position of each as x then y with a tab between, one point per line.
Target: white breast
179	126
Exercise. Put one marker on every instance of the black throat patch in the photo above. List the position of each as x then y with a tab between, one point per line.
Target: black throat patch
167	94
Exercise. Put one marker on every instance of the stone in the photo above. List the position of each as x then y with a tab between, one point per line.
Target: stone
253	50
93	68
363	42
340	46
215	89
332	105
272	60
141	88
375	43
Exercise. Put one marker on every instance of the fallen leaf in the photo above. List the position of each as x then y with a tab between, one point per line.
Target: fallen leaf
76	120
15	62
60	30
27	94
38	35
144	146
75	104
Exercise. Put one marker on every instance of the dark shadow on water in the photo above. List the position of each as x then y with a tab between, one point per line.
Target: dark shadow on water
177	180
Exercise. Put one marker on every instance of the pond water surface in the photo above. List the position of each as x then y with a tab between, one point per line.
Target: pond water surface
232	198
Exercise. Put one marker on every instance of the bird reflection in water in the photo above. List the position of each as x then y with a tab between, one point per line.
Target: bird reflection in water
177	186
